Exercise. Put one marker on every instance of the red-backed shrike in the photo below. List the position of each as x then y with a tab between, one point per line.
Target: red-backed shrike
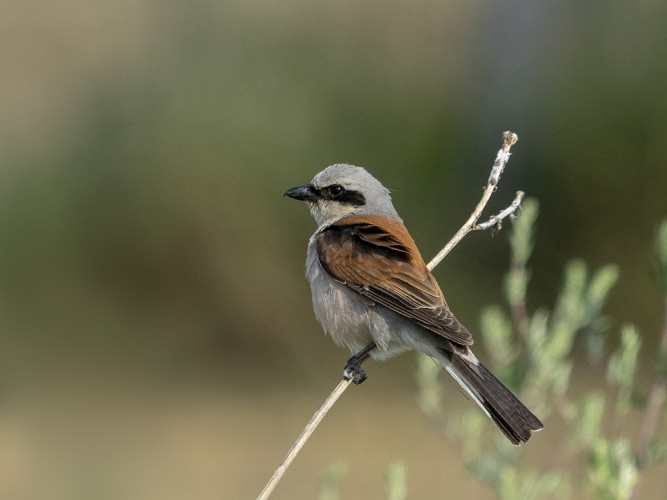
373	293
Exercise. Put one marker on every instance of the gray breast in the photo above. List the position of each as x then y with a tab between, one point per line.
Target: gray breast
342	313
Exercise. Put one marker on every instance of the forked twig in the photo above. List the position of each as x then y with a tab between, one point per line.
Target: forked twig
503	156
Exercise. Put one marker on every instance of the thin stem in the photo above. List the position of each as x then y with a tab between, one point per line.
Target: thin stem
509	139
503	156
310	428
656	399
496	220
518	308
517	282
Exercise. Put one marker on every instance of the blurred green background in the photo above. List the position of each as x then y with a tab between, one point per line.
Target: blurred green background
157	336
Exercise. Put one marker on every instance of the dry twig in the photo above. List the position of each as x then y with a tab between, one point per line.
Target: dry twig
509	139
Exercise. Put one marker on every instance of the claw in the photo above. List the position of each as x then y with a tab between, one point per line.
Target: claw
353	371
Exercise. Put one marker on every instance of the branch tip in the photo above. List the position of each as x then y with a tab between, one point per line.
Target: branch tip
509	140
496	221
503	156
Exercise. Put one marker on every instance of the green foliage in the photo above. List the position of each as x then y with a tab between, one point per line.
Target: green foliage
532	354
498	335
656	453
612	472
395	481
532	487
331	481
430	396
586	416
622	367
521	245
397	488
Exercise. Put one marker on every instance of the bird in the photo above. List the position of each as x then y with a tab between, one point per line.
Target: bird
373	293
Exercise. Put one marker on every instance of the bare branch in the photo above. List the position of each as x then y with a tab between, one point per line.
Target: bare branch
496	220
503	156
310	428
509	139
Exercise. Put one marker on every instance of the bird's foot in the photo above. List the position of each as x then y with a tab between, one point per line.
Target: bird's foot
353	370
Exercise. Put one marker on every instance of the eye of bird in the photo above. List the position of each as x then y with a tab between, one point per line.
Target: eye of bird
336	190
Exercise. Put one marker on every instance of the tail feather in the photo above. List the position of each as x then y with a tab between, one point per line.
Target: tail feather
510	415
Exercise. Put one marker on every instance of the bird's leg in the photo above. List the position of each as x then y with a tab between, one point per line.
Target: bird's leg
353	370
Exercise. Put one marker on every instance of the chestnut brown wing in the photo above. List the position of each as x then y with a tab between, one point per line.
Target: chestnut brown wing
377	258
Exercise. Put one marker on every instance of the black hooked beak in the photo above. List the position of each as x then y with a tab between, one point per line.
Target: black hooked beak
302	193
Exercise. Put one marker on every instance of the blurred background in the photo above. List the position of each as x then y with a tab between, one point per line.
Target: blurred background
157	336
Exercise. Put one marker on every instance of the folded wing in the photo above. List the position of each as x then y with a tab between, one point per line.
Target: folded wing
377	258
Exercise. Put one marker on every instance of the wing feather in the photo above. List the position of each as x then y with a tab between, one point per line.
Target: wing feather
378	259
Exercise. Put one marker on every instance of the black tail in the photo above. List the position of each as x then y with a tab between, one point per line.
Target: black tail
510	415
